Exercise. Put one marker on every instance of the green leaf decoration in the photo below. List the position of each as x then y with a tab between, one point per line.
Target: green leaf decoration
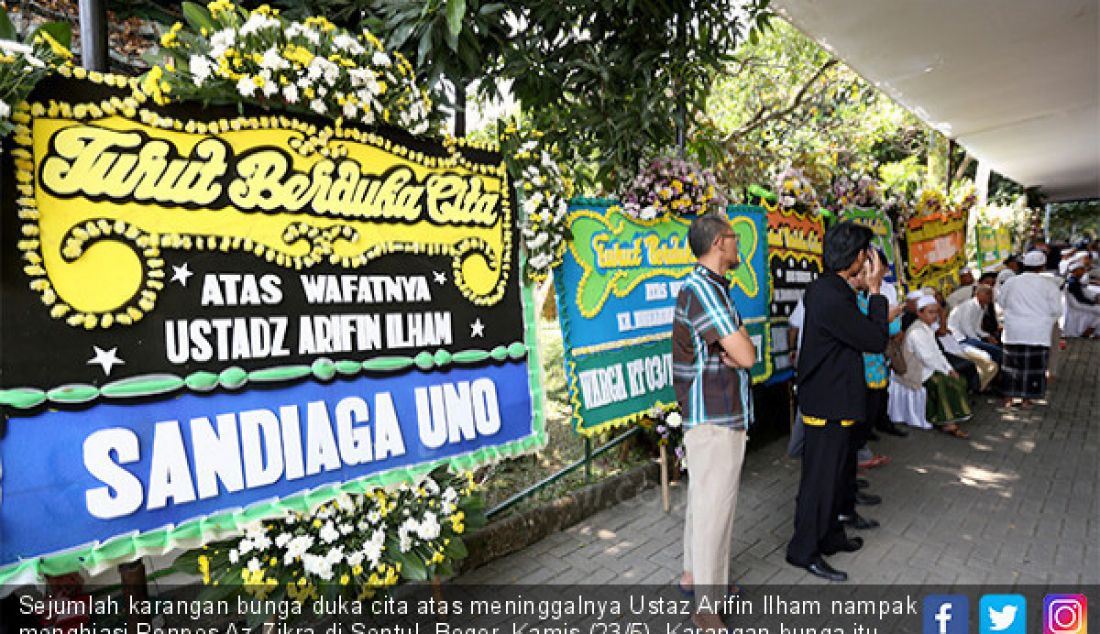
456	10
60	31
197	16
7	29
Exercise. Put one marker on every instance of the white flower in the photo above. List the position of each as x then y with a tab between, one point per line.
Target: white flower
297	548
297	28
317	565
34	61
349	109
273	61
348	43
329	533
345	528
372	548
258	22
334	556
380	59
200	67
404	534
254	564
282	539
538	241
290	93
14	47
360	76
674	419
246	86
318	106
449	494
374	517
221	41
234	556
270	88
540	261
428	528
245	546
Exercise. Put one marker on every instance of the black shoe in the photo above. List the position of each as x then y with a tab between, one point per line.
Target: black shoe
852	545
862	483
818	567
867	499
893	430
859	522
873	436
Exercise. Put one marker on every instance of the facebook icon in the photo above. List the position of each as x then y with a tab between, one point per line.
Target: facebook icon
946	614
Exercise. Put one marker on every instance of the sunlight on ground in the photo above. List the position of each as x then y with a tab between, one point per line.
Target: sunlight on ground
980	478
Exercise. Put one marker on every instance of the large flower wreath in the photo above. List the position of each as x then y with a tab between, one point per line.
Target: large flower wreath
794	191
352	547
24	64
669	184
226	54
546	193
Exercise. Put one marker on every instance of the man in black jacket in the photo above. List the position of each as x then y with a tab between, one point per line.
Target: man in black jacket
832	392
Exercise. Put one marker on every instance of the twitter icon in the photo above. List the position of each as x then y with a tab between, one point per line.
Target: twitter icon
1003	614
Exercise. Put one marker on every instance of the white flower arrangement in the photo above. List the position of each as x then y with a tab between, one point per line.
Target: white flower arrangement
22	66
546	194
794	191
354	545
227	54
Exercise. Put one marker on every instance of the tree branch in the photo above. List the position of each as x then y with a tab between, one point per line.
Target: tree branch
763	115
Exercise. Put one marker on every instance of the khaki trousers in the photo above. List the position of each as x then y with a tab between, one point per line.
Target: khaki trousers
714	458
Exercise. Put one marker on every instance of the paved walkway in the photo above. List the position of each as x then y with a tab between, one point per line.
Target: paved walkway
1016	504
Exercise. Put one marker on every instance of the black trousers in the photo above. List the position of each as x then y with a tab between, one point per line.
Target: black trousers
876	411
816	527
967	370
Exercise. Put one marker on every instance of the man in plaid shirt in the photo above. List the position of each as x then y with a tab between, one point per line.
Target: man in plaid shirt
711	357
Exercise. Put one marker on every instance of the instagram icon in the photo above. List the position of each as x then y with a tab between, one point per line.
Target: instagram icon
1065	614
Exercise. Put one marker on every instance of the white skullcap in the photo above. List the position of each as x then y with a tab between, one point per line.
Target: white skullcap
917	294
925	300
965	270
1077	261
1035	258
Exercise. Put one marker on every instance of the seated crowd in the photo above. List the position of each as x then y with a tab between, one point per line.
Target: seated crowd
997	333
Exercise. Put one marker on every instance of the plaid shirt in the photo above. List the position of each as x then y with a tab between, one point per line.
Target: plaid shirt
709	392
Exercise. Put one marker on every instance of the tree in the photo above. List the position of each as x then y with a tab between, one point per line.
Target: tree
611	81
783	100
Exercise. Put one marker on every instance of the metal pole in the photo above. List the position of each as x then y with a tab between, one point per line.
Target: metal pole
93	34
587	460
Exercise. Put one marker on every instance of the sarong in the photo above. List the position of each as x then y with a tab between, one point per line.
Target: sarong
946	399
1025	371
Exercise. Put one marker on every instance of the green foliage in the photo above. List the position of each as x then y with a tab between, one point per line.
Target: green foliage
785	101
611	82
1075	220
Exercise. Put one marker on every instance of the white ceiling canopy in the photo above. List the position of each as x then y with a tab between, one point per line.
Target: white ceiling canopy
1015	82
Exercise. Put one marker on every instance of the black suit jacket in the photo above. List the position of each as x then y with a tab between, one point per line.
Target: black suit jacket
831	380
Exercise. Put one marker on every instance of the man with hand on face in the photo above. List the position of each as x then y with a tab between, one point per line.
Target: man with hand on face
711	357
833	392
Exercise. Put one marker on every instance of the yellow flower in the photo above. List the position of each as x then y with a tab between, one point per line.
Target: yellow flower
344	579
55	46
204	569
298	55
219	6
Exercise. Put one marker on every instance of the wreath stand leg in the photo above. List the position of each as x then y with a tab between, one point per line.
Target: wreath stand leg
664	479
135	587
437	593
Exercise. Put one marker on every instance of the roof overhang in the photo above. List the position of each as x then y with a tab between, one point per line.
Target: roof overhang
1015	82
